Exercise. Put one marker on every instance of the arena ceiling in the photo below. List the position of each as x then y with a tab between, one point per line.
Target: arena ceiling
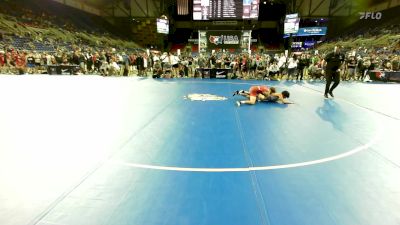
99	3
105	2
121	8
131	8
155	8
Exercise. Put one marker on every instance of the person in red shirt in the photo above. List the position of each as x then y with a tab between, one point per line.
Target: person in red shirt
20	62
244	67
9	59
2	59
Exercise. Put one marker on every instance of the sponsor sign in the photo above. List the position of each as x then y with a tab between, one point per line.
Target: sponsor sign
309	44
223	39
193	40
225	23
309	31
297	44
221	74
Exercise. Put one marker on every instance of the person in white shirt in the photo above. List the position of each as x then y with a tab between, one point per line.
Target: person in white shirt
273	70
164	61
114	68
156	58
175	65
48	59
276	57
145	63
292	65
166	64
282	64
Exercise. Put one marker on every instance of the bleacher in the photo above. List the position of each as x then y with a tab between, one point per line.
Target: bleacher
21	43
370	27
33	28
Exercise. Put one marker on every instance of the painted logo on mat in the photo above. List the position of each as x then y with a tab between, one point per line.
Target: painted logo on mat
204	97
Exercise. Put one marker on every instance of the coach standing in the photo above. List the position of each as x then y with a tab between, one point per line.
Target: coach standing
334	61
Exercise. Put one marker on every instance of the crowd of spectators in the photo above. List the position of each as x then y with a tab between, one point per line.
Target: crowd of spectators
30	41
110	61
297	66
28	53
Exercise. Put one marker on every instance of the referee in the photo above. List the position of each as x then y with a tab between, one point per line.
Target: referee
334	61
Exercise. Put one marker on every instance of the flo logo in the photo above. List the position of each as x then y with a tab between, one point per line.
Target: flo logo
216	40
370	15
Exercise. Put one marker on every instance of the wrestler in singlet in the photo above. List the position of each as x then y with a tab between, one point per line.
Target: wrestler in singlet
256	90
272	98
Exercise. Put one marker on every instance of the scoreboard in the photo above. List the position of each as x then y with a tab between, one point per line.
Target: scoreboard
225	9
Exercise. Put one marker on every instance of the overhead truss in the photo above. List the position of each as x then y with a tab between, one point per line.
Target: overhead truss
135	8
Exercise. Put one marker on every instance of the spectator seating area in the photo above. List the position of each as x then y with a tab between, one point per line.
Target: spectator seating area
34	39
28	25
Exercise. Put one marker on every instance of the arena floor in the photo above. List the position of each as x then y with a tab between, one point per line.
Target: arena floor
91	150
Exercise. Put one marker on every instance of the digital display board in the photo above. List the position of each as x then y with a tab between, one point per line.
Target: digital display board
292	22
309	31
225	9
309	44
297	44
162	26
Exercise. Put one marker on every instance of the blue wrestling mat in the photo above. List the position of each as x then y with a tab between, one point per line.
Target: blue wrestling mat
83	150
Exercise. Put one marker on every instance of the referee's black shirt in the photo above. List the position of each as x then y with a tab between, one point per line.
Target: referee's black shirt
334	61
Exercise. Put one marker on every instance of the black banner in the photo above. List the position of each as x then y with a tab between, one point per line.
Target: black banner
223	39
391	76
214	73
